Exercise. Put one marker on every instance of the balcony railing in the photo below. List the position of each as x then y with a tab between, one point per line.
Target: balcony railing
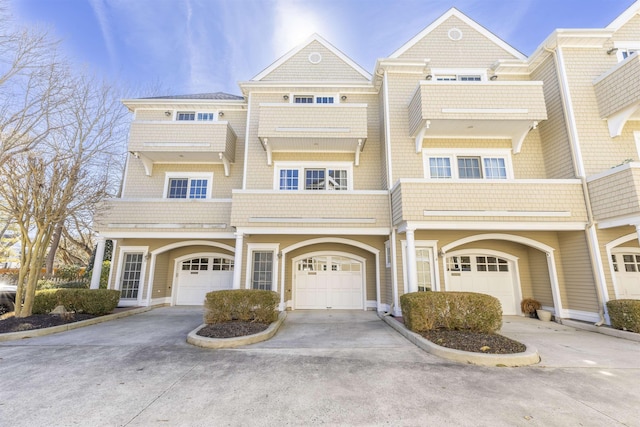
163	215
618	94
508	110
553	202
616	192
330	209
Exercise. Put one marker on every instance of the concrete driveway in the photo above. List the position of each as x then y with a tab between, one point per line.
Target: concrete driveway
336	368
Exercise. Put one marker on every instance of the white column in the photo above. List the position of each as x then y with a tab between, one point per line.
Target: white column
638	231
237	261
412	272
97	264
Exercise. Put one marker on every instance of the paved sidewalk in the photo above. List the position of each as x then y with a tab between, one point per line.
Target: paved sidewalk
335	368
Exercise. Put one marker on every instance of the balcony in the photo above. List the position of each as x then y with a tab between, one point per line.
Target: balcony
181	215
541	204
285	127
618	94
324	209
615	195
454	109
182	142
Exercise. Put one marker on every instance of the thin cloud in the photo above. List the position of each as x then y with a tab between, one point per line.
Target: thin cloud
100	11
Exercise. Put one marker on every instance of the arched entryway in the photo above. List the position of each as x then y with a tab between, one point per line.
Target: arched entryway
197	274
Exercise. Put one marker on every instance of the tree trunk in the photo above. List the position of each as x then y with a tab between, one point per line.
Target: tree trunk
51	256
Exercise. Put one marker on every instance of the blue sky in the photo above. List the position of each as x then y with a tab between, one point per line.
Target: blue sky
196	46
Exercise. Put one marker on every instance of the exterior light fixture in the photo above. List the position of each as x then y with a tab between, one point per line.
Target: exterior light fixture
167	113
343	97
612	51
494	77
220	114
286	97
429	77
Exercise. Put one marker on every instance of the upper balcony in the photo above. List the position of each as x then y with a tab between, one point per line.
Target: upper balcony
618	94
182	142
615	195
333	210
493	109
178	215
290	127
541	204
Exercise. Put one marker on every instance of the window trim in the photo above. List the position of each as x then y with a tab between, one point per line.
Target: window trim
122	251
453	154
460	72
625	46
260	247
301	166
214	113
188	175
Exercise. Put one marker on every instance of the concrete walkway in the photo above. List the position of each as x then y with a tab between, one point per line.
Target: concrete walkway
336	368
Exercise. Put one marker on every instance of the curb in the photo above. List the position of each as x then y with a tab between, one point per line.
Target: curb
528	357
11	336
605	330
205	342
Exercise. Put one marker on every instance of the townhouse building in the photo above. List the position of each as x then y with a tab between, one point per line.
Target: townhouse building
459	164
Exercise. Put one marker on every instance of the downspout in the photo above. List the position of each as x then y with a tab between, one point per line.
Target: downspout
590	229
392	244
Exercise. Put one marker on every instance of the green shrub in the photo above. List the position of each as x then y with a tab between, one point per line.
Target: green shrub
90	301
248	305
46	284
72	285
475	312
625	314
68	272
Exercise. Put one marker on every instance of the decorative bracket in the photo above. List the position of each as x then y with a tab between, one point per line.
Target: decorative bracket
225	162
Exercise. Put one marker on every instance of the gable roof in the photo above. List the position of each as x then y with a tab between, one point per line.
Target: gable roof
314	37
470	22
625	16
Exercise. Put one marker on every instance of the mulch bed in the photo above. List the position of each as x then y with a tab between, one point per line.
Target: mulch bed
232	329
474	341
37	321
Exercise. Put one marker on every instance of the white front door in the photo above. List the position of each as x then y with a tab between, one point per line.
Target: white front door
483	274
626	267
328	281
197	276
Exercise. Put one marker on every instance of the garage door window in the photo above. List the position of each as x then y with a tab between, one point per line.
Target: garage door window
630	263
491	263
459	263
196	264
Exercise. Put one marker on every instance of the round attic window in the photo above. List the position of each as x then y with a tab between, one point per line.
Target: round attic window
315	57
455	34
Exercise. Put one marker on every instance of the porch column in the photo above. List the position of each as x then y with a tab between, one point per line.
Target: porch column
97	264
638	231
237	261
412	272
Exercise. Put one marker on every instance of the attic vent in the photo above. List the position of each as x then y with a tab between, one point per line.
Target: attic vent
315	57
455	34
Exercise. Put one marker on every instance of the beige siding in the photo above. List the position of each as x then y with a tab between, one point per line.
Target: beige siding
474	50
299	68
599	150
620	88
607	236
539	278
629	31
155	115
579	290
554	138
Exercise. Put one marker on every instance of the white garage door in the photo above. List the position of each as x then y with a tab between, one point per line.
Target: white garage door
483	274
197	276
627	270
323	282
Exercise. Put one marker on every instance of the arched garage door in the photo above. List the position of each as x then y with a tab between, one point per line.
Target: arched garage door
485	274
328	281
202	274
626	267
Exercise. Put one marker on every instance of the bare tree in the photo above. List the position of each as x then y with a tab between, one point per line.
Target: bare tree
64	177
32	86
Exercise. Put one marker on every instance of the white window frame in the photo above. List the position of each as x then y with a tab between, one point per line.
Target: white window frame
453	154
387	254
260	247
626	47
195	113
301	166
123	250
315	96
459	72
188	175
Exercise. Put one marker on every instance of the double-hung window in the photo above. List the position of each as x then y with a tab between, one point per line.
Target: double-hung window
465	165
313	178
188	186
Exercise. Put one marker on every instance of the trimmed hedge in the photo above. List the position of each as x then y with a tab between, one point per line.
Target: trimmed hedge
248	305
89	301
423	311
625	314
